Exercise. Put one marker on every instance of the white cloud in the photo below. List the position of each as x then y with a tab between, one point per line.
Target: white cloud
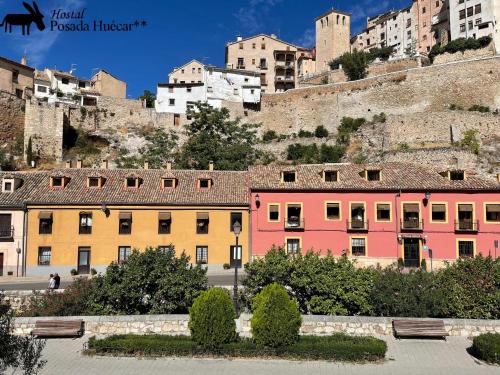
251	17
38	45
308	39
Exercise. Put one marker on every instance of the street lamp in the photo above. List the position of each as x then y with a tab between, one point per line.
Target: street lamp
236	257
18	251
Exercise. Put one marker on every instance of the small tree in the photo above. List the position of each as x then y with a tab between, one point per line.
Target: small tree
470	141
355	64
211	319
149	97
321	132
276	318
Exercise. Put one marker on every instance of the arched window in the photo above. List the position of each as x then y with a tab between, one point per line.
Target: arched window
343	20
326	21
338	19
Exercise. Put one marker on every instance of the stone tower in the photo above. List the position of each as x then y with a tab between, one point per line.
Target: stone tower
333	32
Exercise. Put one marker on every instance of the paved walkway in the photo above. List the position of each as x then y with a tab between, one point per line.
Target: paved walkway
404	357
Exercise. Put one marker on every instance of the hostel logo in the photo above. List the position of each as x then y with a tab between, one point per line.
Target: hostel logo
24	20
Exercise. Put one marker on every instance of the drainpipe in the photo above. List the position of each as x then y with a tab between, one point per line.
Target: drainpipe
25	239
398	195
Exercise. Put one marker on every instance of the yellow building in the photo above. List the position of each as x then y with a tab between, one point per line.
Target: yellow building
86	218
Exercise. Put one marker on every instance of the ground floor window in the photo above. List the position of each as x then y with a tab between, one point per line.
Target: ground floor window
465	249
165	249
293	246
358	247
201	254
124	253
44	255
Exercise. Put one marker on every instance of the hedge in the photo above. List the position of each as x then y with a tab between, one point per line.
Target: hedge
487	347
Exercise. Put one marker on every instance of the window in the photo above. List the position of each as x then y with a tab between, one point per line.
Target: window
465	216
437	4
235	217
202	222
199	70
241	63
6	226
193	70
201	254
42	89
438	213
457	175
15	76
168	183
382	36
8	186
492	213
45	222
478	21
182	71
423	10
411	216
263	46
170	89
383	212
293	246
204	183
241	45
263	64
465	249
358	247
165	249
235	91
424	24
331	176
85	223
125	223
132	182
253	45
44	255
409	34
273	212
81	84
253	61
188	89
94	182
294	215
332	211
171	101
288	176
164	222
358	215
471	25
210	89
408	22
124	253
470	11
373	175
462	27
461	14
477	8
57	182
65	81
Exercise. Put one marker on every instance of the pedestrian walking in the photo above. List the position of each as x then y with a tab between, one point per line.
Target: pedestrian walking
52	282
57	280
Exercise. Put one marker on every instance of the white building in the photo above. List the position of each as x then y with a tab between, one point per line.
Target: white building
496	12
217	85
473	18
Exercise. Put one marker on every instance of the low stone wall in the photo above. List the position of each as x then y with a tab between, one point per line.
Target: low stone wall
21	298
469	54
317	325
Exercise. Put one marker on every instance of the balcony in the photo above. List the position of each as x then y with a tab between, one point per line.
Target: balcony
357	225
263	67
294	223
412	224
284	79
240	66
7	233
467	226
284	64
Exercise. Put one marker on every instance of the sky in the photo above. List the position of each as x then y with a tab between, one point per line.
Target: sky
173	32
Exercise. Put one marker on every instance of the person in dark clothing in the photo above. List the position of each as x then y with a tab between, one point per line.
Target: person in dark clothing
57	279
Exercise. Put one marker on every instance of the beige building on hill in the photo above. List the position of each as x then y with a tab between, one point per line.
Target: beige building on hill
108	85
333	33
16	78
275	60
433	23
191	72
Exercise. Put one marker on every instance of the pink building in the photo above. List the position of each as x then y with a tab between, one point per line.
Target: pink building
374	213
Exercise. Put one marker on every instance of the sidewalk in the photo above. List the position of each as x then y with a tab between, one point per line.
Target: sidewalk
404	357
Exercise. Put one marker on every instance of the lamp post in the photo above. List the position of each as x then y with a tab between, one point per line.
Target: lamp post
18	251
236	257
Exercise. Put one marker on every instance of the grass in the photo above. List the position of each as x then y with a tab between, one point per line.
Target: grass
487	347
338	347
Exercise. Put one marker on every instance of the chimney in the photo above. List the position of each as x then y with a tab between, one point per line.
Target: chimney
146	165
210	165
239	38
68	164
23	60
273	36
104	164
169	165
79	163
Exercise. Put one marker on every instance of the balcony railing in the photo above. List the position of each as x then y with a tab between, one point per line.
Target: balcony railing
263	66
6	233
240	66
412	224
284	78
466	226
357	225
294	224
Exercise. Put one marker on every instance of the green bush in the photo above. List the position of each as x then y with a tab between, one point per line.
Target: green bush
347	127
381	117
211	319
403	146
321	132
487	347
309	154
479	108
459	45
269	135
276	318
381	53
470	141
305	134
455	107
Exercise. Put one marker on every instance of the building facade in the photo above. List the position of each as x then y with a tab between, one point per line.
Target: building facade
375	214
108	85
433	22
16	78
472	18
217	86
85	218
191	72
273	59
333	33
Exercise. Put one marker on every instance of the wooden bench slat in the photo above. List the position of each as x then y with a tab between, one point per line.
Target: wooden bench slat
58	328
422	328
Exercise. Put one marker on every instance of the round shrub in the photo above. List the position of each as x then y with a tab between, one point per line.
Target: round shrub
276	318
211	319
487	347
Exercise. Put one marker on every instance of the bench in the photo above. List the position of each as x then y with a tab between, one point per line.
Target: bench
419	328
58	328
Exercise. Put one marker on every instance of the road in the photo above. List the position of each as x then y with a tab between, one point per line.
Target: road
226	279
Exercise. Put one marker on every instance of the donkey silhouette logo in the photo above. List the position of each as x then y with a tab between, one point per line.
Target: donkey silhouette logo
24	20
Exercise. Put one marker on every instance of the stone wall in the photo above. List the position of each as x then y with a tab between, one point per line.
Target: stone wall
44	124
11	120
311	325
469	54
18	299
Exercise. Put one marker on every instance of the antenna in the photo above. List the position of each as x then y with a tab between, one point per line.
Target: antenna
73	68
